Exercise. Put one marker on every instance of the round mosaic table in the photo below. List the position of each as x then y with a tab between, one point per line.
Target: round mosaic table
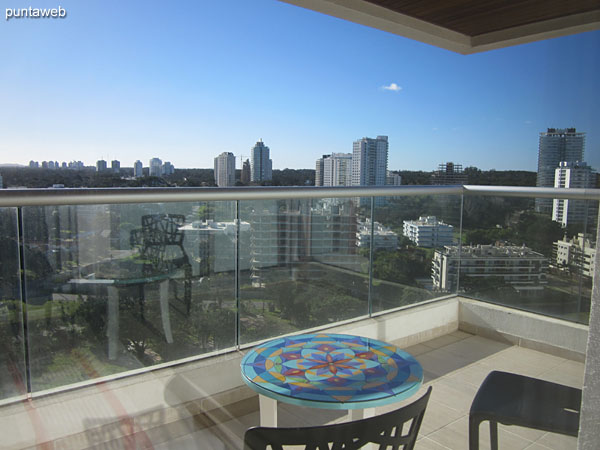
331	371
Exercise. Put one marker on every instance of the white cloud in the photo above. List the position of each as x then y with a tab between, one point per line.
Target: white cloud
392	87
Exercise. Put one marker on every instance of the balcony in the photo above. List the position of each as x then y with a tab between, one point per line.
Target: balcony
108	343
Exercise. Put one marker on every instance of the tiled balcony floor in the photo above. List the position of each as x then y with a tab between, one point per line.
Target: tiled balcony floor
455	365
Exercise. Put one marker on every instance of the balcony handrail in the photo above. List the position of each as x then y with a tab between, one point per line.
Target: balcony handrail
99	196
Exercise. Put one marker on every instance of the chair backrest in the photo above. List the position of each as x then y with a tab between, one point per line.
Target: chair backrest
160	241
396	430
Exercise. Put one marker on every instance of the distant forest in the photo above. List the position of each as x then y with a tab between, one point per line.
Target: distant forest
88	177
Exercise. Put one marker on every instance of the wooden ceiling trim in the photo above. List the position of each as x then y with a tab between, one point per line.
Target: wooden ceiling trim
476	17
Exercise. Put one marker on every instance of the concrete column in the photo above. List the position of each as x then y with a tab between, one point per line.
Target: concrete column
590	403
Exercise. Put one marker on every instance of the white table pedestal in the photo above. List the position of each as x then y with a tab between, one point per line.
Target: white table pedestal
268	411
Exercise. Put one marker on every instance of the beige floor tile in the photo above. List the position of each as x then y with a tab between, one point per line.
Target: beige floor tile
537	446
528	433
541	360
418	349
456	437
427	444
507	363
437	416
455	394
558	441
474	374
441	341
203	439
461	334
569	373
475	348
440	363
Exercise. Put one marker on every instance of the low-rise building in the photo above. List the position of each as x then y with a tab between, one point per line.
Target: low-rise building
429	232
577	254
520	267
383	237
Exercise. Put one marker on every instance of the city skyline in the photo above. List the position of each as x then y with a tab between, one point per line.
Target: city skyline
122	81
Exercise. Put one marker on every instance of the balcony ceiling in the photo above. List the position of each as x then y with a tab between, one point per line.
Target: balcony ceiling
467	26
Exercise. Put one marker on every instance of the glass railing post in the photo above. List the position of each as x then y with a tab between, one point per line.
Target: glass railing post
460	238
237	274
371	250
23	290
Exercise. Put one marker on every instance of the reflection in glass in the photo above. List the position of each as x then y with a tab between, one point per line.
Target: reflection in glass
521	258
112	288
13	380
300	265
402	267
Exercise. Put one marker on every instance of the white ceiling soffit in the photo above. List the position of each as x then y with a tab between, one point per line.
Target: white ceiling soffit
371	15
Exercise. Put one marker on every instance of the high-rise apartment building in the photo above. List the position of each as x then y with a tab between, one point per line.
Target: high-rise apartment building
448	174
225	169
369	161
155	167
556	145
337	169
138	169
572	175
319	171
100	165
115	165
261	166
167	168
245	176
369	164
334	170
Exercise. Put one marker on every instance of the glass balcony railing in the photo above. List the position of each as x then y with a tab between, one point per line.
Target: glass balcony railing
102	282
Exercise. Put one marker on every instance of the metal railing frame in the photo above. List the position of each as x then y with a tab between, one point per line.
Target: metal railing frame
19	198
99	196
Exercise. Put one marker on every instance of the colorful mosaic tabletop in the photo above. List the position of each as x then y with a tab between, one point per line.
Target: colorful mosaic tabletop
333	371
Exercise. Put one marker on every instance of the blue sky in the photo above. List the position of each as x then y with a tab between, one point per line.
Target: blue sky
187	80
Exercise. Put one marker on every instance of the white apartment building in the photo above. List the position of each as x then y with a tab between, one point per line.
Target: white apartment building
393	179
369	161
319	171
138	169
383	237
225	169
369	165
571	175
520	267
155	167
577	254
429	232
167	168
337	169
556	145
101	165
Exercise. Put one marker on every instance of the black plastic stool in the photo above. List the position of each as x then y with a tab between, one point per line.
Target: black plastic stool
512	399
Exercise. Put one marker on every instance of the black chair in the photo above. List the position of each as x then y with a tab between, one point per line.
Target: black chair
160	241
386	430
512	399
